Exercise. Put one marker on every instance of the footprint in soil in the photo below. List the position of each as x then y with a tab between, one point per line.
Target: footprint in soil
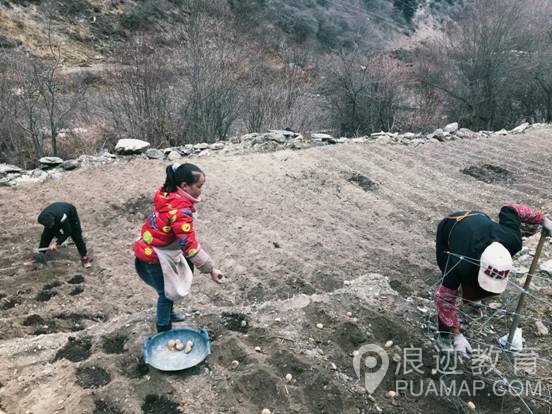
105	407
75	280
235	321
92	377
159	404
75	350
114	344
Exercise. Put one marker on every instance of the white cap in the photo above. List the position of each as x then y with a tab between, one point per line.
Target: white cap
495	266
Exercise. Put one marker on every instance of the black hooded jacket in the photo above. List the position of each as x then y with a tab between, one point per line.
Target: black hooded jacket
469	237
63	217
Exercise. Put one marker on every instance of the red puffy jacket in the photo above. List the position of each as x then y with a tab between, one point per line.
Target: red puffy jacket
170	220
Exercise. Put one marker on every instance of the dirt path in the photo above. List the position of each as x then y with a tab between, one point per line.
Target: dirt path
289	228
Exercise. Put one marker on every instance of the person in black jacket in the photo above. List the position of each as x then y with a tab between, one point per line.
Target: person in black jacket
60	221
475	254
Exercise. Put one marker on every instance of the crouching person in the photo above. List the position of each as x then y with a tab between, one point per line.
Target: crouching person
474	254
61	221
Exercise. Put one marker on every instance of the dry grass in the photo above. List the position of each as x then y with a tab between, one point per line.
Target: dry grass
31	28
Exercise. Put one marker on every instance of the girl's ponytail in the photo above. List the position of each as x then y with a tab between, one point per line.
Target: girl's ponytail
170	182
179	173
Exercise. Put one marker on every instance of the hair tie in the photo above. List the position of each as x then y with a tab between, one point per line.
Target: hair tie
175	166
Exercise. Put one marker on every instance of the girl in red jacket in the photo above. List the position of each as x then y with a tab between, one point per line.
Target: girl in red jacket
171	223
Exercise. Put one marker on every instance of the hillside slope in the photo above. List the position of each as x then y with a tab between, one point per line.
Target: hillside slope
302	238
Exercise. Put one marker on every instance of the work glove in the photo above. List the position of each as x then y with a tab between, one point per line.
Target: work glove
547	224
462	345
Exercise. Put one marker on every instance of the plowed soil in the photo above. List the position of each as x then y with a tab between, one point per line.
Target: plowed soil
303	237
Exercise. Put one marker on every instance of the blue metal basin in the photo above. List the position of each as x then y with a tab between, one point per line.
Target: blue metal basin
158	355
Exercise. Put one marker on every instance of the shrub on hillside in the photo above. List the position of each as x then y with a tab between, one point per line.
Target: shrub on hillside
364	93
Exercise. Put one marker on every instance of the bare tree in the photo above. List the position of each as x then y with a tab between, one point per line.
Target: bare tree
212	68
50	85
22	106
271	95
363	92
141	100
37	100
541	57
483	65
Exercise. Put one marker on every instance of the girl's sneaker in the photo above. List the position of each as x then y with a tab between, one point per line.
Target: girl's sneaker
86	262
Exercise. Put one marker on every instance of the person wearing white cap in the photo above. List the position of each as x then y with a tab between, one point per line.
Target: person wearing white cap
465	237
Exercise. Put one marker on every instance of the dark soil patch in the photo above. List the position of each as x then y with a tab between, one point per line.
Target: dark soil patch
75	280
34	320
76	291
159	404
363	182
51	285
45	295
233	321
75	350
261	388
8	303
488	173
114	344
92	377
105	407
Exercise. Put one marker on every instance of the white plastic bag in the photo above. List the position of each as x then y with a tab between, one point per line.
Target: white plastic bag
177	275
517	340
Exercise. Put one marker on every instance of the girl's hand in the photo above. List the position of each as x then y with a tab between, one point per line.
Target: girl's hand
53	245
217	276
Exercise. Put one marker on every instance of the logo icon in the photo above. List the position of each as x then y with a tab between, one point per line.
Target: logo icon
372	376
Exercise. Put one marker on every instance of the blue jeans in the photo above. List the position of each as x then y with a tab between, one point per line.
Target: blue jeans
153	276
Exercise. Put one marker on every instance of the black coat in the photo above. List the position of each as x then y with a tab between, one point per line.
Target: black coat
469	237
62	227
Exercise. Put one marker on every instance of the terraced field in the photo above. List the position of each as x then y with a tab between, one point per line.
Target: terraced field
304	238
